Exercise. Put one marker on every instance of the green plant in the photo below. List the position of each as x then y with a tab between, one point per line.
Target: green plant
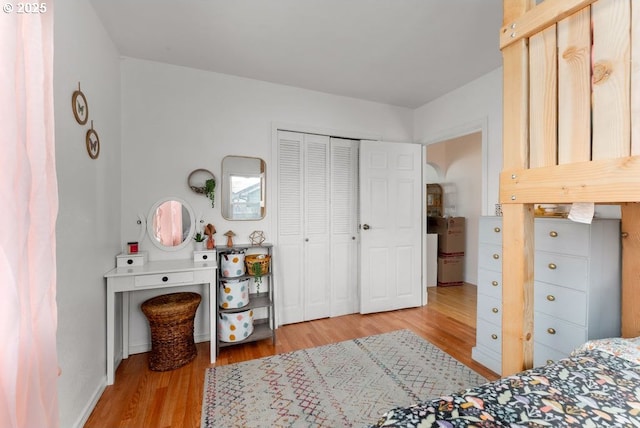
210	190
199	237
257	275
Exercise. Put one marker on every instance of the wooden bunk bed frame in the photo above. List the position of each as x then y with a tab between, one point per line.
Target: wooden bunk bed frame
571	133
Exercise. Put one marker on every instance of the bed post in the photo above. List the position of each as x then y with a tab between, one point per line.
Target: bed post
517	249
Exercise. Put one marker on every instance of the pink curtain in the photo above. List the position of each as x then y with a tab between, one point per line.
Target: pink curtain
168	223
29	201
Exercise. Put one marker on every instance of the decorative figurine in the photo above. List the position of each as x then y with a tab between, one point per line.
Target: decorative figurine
229	234
257	237
210	230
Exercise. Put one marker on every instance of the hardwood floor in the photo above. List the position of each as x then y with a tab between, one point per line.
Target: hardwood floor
142	398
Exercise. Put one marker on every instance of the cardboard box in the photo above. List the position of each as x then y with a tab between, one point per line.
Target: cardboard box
450	270
451	233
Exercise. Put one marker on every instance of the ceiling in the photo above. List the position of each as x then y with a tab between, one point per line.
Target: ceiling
399	52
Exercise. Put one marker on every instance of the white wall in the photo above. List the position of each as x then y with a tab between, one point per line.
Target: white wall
88	225
176	119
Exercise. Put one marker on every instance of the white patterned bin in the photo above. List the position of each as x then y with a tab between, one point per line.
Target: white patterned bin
235	327
233	293
232	265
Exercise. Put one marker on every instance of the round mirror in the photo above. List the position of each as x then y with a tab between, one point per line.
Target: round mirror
171	224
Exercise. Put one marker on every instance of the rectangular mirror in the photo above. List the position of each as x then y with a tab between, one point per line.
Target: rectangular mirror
243	188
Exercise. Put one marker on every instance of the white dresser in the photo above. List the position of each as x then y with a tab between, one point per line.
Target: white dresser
576	288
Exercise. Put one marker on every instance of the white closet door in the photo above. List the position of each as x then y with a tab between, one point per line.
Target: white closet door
290	251
391	217
344	223
317	303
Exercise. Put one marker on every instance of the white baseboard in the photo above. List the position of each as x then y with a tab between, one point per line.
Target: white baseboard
91	404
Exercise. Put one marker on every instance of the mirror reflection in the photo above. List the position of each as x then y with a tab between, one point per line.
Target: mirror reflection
243	188
170	224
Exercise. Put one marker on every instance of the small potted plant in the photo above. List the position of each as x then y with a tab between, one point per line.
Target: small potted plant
199	238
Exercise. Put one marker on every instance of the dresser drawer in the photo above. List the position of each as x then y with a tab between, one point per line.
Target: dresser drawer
562	236
543	355
557	334
490	283
490	309
165	278
563	270
490	230
490	257
560	302
489	335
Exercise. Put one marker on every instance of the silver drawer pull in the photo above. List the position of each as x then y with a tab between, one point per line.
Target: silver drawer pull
494	283
496	256
551	297
552	266
549	361
494	336
553	234
494	310
496	229
551	330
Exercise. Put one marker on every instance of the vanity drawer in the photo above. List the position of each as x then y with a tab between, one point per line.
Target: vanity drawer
489	336
560	302
137	259
490	283
490	309
204	256
562	236
557	334
490	230
164	278
490	257
563	270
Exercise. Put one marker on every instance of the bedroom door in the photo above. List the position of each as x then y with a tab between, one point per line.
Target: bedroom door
391	226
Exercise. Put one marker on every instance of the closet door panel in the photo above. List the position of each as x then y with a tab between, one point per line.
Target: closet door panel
344	223
317	302
290	227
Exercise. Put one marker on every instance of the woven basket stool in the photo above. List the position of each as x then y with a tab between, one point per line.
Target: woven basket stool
170	319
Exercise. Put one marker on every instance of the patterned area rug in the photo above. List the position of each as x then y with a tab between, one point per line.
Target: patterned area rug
350	383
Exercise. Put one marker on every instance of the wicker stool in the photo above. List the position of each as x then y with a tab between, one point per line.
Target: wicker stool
171	322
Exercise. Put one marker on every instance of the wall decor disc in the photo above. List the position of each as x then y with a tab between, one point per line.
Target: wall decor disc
80	106
93	143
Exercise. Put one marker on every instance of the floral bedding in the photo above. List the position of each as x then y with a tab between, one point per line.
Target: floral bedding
597	386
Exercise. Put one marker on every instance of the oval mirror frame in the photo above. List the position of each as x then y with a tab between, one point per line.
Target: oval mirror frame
243	194
187	229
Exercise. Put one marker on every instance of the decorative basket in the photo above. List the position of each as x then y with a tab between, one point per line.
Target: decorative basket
233	293
234	327
232	265
251	260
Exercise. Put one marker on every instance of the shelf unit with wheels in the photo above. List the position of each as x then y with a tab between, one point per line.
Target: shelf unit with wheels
261	303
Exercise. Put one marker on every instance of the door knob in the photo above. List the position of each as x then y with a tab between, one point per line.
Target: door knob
366	227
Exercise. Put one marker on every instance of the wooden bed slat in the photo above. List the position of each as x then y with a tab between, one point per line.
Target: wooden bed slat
635	81
543	95
574	87
630	269
611	79
603	181
517	319
547	13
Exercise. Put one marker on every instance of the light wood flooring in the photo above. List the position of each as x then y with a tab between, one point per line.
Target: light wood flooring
143	398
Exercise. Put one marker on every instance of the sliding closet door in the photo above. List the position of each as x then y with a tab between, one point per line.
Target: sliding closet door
344	223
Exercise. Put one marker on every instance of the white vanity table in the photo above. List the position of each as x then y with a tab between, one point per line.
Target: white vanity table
155	275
